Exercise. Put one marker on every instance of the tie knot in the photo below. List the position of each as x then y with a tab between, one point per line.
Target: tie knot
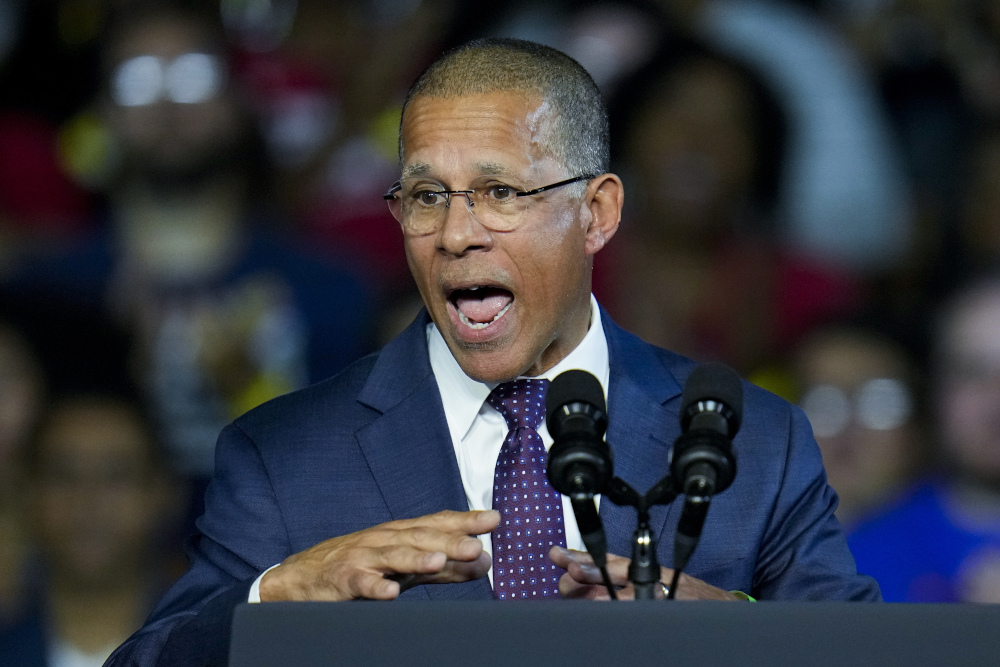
521	402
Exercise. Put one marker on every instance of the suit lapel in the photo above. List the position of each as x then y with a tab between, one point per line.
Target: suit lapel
643	423
409	451
408	446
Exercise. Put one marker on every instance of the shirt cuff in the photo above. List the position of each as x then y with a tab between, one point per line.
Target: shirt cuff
254	596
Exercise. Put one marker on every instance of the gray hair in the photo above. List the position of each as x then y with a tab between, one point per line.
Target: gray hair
580	136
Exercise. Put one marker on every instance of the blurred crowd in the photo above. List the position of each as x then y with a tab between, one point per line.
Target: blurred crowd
191	223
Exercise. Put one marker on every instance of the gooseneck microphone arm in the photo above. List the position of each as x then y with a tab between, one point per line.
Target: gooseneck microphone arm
702	464
644	568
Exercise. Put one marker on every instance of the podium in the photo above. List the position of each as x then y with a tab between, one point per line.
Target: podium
577	633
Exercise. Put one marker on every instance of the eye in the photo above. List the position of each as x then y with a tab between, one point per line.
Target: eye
501	192
428	197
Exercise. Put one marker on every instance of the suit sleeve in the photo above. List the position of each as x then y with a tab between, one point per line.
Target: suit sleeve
803	554
240	535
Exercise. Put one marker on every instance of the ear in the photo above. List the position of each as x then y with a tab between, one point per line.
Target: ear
605	198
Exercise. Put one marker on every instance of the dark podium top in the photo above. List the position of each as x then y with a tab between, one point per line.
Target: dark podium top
816	634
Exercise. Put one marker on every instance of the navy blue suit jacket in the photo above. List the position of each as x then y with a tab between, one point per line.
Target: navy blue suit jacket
372	445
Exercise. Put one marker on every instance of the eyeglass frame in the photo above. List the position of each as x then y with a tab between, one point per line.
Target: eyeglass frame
398	185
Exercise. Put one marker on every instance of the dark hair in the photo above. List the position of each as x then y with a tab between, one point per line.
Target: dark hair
767	116
124	20
155	454
580	133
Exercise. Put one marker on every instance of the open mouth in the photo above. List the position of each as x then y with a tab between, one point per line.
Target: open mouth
482	305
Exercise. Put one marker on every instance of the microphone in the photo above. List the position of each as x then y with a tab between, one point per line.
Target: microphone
703	462
580	462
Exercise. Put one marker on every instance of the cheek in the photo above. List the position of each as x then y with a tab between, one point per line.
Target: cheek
562	241
418	258
971	427
214	121
139	126
550	267
962	412
885	451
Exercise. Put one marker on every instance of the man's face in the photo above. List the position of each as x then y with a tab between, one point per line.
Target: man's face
164	138
857	398
96	499
693	149
968	392
507	303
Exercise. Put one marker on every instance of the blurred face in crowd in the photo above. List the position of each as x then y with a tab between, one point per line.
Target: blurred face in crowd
21	389
692	148
97	496
515	302
169	105
856	393
968	388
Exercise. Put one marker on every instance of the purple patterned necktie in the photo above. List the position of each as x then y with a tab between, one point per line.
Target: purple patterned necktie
531	518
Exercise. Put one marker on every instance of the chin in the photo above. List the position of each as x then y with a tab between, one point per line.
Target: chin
489	366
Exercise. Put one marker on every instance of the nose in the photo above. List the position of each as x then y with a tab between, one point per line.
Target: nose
461	232
463	193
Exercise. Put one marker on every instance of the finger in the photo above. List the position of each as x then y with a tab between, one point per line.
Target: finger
371	585
571	589
467	523
455	572
562	556
404	559
617	566
579	565
455	546
466	571
618	569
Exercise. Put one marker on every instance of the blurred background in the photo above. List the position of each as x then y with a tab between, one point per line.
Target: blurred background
191	224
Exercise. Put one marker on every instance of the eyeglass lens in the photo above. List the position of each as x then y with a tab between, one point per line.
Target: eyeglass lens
190	78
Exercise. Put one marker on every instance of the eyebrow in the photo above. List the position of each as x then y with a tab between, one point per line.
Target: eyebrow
418	169
486	168
491	168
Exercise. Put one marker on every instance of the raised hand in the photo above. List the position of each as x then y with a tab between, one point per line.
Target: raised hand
380	562
583	580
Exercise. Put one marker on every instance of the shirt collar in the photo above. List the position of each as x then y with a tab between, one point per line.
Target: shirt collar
463	397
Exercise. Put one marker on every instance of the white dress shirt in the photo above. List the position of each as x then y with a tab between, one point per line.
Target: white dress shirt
478	431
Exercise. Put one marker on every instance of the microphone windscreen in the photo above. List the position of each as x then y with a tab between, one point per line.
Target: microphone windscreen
716	382
574	387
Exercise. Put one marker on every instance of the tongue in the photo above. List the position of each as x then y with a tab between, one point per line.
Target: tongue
482	305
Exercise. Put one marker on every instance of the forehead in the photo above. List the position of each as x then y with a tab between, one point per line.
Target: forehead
846	358
490	133
975	327
165	35
94	430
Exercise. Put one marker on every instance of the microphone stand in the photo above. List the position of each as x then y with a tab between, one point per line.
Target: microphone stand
644	570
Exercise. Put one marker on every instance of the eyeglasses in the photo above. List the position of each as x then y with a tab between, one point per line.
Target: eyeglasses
190	78
880	404
421	208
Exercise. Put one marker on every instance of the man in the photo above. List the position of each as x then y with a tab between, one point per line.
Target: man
359	487
940	541
858	388
227	313
99	499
